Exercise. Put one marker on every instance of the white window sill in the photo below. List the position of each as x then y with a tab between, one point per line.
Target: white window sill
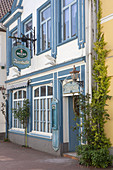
41	134
17	130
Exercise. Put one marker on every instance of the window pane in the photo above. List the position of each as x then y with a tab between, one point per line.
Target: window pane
66	24
20	94
44	127
44	103
34	115
24	94
15	95
28	26
46	14
34	125
74	19
50	91
43	36
36	93
43	91
67	2
48	32
15	34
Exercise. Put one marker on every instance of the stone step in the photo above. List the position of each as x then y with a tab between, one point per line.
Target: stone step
72	155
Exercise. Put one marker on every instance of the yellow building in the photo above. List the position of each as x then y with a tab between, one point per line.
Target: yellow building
107	23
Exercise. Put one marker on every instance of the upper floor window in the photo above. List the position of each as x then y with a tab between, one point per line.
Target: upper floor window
69	19
45	28
14	41
28	32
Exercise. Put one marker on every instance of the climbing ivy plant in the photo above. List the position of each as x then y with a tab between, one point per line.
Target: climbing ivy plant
94	114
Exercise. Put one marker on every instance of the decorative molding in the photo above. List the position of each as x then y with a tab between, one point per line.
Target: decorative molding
107	18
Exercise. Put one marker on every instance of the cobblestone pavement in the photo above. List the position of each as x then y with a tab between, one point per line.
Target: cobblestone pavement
15	157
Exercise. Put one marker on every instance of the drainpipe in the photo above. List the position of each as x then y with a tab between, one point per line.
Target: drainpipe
90	48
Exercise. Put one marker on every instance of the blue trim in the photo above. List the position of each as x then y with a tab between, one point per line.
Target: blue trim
42	137
43	51
81	23
59	22
54	28
49	76
67	41
55	86
16	16
5	16
83	76
14	5
67	71
60	111
10	109
41	83
19	26
48	69
38	25
27	18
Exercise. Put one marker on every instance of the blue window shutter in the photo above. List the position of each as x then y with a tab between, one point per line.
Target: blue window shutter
59	21
54	27
38	31
81	23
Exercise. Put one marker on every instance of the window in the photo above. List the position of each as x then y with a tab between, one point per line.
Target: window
28	32
18	98
14	41
42	119
69	19
45	28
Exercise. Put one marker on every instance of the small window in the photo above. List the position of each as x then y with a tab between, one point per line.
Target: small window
43	91
14	41
28	32
15	95
45	28
36	93
50	91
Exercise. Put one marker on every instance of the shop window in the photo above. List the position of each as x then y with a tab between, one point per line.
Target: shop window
69	19
42	118
18	98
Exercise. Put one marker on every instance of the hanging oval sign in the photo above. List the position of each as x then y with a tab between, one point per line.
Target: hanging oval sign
21	53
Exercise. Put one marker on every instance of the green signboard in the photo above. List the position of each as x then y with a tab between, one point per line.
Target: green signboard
21	57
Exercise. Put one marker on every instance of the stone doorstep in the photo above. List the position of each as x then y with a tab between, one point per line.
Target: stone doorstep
72	155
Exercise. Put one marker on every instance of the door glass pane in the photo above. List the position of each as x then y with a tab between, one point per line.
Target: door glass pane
43	36
67	2
43	91
66	24
34	115
74	19
34	125
46	14
48	32
44	127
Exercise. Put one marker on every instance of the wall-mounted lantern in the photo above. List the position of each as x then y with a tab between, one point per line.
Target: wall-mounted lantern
75	76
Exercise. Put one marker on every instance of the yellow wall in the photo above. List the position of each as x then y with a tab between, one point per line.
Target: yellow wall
107	9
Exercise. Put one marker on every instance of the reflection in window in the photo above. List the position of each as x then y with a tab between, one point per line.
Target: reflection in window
45	27
69	19
36	93
42	109
18	99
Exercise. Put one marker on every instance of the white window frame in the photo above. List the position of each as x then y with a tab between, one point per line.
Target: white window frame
13	40
41	23
28	32
47	122
17	100
62	19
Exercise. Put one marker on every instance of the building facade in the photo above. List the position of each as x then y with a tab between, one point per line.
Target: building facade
2	77
64	36
107	22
